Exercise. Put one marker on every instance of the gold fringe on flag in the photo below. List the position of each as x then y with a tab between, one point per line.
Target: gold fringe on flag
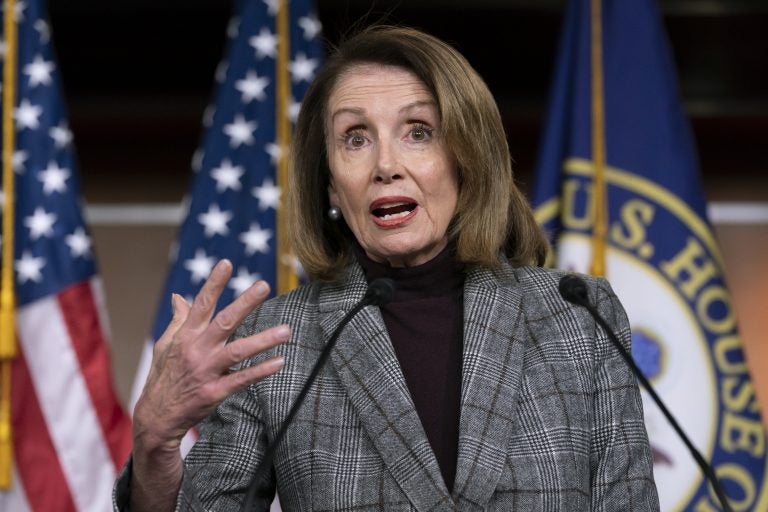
599	194
7	300
287	279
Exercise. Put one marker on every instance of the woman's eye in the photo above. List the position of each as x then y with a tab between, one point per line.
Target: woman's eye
354	140
420	133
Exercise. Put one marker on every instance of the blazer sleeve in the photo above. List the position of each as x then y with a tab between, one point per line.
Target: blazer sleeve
621	461
202	488
121	491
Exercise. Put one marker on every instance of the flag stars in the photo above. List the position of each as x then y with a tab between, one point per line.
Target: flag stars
274	151
227	176
79	243
186	204
173	252
272	6
208	114
44	30
221	71
199	266
39	71
40	223
18	11
293	262
302	68
54	178
233	27
215	221
265	44
294	107
240	131
256	239
27	115
252	87
243	280
311	27
197	160
20	157
268	195
61	135
29	268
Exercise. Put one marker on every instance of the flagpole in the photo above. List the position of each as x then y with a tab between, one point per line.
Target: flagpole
7	302
286	276
599	194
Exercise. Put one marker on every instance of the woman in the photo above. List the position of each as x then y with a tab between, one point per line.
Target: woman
478	387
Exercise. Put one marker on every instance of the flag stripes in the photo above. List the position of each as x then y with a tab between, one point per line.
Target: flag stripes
71	419
90	347
44	489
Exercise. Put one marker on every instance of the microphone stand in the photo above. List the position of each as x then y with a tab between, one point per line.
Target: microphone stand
573	289
379	292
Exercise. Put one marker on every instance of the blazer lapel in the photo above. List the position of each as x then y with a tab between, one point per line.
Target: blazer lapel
368	370
494	346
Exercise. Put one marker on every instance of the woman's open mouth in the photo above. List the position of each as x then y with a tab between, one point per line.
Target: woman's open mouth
389	212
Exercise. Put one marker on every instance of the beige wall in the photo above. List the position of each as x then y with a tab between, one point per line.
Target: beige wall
744	251
133	262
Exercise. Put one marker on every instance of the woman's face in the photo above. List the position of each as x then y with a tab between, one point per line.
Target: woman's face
391	174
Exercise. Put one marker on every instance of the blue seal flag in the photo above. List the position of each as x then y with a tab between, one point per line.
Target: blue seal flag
618	191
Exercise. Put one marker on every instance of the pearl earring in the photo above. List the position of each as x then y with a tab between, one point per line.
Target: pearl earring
334	213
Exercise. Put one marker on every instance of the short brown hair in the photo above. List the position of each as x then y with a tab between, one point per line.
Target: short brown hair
492	214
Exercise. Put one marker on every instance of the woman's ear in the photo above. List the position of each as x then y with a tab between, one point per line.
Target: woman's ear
333	197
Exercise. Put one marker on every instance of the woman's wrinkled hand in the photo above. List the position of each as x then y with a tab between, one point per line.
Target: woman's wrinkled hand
190	372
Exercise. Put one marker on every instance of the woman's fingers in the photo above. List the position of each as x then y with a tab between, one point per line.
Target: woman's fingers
199	328
202	379
180	309
244	348
191	368
243	378
205	301
227	320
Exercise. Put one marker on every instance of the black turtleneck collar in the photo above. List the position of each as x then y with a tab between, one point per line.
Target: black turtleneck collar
440	276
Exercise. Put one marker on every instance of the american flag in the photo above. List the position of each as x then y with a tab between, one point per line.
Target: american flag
70	435
235	196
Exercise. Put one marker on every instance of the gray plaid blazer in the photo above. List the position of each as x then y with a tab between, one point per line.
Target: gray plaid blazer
551	418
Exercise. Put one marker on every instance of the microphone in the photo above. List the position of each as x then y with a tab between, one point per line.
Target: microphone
379	292
573	289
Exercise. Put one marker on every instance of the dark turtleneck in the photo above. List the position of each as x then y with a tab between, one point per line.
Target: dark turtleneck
425	323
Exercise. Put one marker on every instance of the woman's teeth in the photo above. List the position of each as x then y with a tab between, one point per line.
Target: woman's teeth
395	215
394	212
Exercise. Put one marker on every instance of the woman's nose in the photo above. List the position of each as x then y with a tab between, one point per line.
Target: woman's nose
387	164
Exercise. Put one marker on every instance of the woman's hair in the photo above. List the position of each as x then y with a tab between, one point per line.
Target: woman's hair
492	215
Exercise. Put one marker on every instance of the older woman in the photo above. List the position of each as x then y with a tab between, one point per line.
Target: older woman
476	388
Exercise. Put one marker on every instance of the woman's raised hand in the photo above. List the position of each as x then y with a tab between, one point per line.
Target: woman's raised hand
190	375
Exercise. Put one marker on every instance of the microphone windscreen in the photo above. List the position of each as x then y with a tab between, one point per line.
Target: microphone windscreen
380	291
573	289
